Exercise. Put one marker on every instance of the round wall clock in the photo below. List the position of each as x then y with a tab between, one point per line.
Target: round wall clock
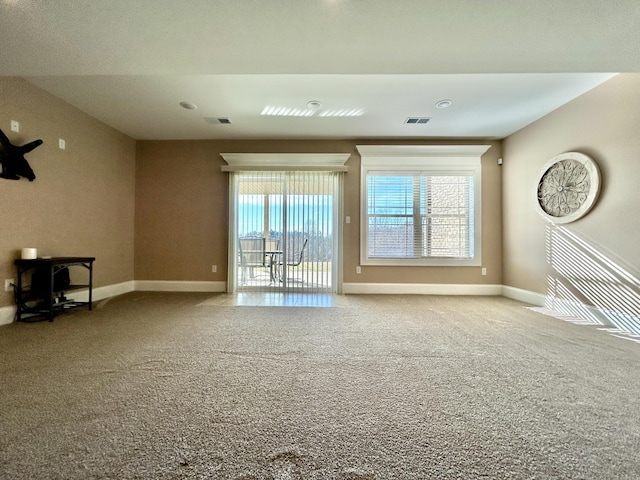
568	187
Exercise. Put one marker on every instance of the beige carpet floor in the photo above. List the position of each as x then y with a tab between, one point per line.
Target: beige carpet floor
173	386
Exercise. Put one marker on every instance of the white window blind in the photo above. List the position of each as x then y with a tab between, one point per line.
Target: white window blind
421	207
420	216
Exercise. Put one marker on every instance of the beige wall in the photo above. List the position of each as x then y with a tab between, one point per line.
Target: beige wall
82	200
182	205
605	124
181	212
90	199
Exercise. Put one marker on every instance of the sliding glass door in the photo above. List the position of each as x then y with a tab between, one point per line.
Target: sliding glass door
284	233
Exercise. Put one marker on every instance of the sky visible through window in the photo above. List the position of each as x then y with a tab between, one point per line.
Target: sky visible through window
305	213
414	215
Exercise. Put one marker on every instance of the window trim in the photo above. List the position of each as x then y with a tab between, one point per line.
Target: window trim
422	159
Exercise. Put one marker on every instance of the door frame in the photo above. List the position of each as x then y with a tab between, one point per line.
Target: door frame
337	227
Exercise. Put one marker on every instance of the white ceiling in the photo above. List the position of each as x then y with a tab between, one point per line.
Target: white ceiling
503	63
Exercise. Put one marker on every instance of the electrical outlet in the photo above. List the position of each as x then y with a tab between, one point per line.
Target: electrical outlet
8	284
214	268
358	269
484	271
15	126
62	144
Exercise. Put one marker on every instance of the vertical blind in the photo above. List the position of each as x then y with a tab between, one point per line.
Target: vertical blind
293	212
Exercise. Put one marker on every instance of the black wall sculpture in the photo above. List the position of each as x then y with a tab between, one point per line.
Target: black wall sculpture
14	165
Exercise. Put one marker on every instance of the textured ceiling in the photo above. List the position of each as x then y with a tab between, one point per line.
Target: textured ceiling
129	64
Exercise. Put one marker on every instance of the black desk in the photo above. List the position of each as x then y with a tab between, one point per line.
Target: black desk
49	300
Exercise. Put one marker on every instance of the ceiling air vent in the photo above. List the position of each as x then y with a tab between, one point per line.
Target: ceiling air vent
218	120
417	120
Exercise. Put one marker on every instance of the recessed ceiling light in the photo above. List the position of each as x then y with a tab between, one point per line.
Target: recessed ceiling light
314	104
188	105
444	103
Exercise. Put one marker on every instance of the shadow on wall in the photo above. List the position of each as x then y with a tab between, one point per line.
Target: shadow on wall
587	284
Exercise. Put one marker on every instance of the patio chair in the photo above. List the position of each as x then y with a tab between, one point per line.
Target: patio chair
294	258
252	255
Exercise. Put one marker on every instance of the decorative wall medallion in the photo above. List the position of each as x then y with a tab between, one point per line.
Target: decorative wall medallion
568	187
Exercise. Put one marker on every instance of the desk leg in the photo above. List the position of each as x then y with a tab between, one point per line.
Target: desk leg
90	286
50	296
18	294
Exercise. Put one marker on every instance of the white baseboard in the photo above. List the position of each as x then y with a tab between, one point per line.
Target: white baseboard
525	296
179	286
100	293
420	289
7	314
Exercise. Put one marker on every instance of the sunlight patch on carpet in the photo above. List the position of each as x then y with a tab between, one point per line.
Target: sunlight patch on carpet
616	332
259	299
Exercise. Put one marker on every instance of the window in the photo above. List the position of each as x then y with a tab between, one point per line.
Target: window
421	205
